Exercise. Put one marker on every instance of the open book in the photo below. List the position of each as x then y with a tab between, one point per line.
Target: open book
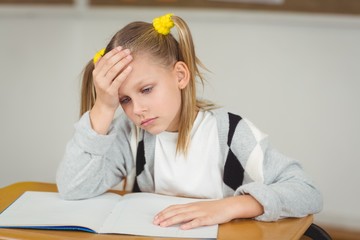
132	214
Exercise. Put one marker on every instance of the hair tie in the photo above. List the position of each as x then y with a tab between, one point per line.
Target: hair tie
98	55
163	24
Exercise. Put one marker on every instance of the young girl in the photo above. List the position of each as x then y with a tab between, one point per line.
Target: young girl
169	142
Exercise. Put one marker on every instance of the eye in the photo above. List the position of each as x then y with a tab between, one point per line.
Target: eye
147	90
125	100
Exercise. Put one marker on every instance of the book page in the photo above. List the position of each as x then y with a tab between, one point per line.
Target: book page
135	212
34	209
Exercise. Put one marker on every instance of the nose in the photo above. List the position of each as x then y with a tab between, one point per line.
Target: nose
138	106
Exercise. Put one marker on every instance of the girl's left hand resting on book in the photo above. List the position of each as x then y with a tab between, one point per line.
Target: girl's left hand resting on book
204	213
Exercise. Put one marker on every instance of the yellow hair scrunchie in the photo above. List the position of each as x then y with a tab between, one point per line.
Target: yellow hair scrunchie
163	24
98	55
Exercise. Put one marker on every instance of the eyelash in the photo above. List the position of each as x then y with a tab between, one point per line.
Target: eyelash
146	90
125	100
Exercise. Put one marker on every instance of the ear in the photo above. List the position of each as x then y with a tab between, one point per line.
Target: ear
182	74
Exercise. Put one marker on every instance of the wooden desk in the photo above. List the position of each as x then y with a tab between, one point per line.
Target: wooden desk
291	228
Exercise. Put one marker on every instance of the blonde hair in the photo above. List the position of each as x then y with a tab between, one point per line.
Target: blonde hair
142	37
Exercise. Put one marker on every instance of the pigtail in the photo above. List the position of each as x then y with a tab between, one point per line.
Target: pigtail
189	106
88	94
187	49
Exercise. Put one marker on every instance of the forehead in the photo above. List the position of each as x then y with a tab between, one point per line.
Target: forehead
144	70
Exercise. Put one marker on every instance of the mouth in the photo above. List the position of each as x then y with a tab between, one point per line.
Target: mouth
147	121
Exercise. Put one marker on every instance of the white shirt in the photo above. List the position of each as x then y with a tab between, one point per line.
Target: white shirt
199	175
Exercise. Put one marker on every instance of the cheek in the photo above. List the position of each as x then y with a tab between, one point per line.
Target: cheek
176	97
170	100
172	95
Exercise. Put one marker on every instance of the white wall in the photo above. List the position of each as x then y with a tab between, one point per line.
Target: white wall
297	77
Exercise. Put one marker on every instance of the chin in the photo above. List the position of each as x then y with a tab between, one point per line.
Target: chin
154	131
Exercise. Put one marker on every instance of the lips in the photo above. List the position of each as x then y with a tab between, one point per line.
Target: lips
147	121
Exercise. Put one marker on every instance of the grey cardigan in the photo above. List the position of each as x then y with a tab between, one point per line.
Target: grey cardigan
94	163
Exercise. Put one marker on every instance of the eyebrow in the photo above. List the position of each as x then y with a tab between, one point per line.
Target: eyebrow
141	82
136	86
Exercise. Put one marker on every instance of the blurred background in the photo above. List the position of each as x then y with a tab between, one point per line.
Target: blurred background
291	67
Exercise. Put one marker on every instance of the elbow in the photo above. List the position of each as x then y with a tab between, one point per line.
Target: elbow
64	193
317	204
70	192
311	203
65	190
73	189
308	202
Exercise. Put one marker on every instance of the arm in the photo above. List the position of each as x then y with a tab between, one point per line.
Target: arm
204	213
95	157
277	182
93	163
277	187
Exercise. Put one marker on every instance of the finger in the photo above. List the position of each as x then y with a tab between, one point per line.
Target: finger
166	213
109	54
197	222
177	216
177	219
109	60
111	68
119	66
100	69
115	85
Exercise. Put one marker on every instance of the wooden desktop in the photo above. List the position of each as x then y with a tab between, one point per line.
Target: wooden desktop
290	228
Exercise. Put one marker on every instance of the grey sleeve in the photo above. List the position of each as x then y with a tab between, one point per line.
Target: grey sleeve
276	181
94	163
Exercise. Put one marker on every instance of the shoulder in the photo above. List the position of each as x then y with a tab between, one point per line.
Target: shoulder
225	117
231	123
226	122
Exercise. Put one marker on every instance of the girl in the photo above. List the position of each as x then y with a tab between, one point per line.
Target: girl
170	142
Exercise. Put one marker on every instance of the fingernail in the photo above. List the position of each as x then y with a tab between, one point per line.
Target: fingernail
119	48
